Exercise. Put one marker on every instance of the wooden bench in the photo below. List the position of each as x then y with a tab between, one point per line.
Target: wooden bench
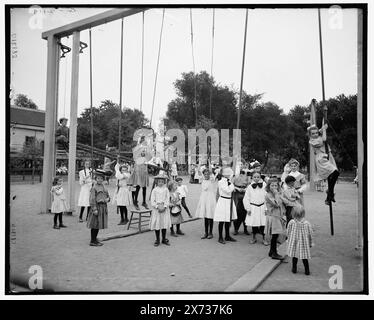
144	216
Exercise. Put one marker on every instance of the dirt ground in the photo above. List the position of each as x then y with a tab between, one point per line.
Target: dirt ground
133	264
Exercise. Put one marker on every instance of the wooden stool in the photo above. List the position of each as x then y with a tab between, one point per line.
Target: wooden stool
139	221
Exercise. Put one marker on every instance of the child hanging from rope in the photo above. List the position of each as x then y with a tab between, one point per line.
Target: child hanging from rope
122	195
324	163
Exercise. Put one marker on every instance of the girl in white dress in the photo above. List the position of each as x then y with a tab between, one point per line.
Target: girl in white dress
174	170
292	169
58	202
254	203
207	203
85	181
122	195
160	217
225	210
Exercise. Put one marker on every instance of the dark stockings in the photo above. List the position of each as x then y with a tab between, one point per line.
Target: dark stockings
208	224
273	244
157	232
260	230
55	219
94	233
183	202
123	212
135	194
163	233
227	229
305	263
331	181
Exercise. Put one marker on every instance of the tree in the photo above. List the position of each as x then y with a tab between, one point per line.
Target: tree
23	101
106	124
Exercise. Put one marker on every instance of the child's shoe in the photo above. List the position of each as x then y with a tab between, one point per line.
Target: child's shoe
172	233
210	236
157	243
205	236
62	226
180	233
56	226
166	241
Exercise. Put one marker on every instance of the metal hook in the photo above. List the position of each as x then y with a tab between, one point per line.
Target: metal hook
64	49
82	46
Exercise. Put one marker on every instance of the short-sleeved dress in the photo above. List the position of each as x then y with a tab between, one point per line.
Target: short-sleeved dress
275	219
122	194
98	198
207	202
160	220
299	239
85	181
324	166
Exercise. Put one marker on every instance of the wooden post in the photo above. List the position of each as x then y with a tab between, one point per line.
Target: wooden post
360	147
50	116
73	120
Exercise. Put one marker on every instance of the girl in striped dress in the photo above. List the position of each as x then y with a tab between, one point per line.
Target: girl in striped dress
299	238
98	217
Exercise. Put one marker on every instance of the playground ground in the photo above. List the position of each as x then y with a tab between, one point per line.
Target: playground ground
132	264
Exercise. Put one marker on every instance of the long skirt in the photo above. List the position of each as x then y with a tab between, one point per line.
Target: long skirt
240	210
84	195
222	211
99	221
160	220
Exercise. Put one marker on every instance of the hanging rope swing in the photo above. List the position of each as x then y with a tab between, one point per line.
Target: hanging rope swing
142	66
211	68
158	61
120	92
193	69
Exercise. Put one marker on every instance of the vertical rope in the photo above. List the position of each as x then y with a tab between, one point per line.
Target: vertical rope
193	67
158	60
66	68
242	76
120	93
142	71
91	107
211	69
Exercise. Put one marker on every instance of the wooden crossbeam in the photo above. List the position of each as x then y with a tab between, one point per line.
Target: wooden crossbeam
90	22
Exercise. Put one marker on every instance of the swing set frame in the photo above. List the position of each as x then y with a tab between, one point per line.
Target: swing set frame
53	38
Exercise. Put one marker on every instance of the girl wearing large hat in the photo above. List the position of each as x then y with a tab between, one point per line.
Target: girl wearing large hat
98	217
160	217
225	210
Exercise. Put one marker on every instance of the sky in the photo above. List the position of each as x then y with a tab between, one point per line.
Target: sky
282	55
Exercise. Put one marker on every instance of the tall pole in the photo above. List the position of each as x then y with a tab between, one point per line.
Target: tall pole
91	106
242	77
73	119
360	146
50	122
324	108
142	69
120	94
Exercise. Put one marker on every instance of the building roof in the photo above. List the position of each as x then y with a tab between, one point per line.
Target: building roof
27	117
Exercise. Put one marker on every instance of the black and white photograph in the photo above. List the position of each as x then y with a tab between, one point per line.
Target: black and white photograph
186	149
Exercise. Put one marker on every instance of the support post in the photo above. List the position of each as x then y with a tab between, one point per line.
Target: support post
360	146
50	122
73	120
